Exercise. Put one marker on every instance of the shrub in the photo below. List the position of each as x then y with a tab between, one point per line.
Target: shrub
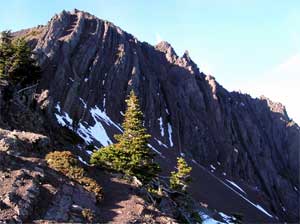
66	163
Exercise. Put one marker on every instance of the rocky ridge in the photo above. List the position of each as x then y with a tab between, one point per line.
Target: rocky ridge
90	65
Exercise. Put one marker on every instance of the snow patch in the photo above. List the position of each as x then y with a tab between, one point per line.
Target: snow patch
224	174
213	167
102	116
236	186
227	218
194	161
155	150
167	111
86	79
160	143
88	133
89	152
104	101
58	107
81	160
94	132
182	154
206	219
84	104
263	210
236	150
162	131
250	202
63	119
170	134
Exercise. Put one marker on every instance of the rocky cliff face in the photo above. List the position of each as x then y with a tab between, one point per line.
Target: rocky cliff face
89	67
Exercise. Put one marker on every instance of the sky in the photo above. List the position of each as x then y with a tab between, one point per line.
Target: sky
247	45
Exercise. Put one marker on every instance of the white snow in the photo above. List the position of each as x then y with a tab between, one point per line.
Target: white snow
224	174
104	101
71	79
295	188
263	210
81	160
88	133
227	218
101	115
218	163
213	167
242	104
167	111
121	112
86	79
250	202
236	150
160	143
236	186
96	132
89	152
84	104
194	161
182	154
58	107
206	219
155	150
162	131
170	134
63	119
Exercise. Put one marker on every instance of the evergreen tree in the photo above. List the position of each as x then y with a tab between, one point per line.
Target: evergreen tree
16	64
5	37
180	179
131	154
6	53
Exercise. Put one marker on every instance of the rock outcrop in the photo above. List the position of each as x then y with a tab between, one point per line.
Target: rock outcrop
89	67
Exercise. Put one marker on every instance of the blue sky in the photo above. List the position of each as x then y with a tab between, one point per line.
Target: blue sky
249	45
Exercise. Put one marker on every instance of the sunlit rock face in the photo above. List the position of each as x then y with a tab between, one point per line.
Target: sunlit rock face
89	67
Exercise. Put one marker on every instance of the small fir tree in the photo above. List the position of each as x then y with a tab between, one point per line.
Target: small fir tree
131	154
180	179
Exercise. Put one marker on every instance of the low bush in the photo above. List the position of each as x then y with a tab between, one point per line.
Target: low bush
66	163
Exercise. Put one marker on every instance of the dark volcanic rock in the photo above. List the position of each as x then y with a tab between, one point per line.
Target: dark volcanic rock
89	67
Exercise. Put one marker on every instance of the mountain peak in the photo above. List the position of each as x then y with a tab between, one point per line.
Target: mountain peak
88	67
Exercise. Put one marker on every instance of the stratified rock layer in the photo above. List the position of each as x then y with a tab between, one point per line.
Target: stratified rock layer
91	65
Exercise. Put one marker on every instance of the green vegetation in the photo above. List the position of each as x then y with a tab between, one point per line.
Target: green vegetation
16	63
66	163
180	179
88	214
131	154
